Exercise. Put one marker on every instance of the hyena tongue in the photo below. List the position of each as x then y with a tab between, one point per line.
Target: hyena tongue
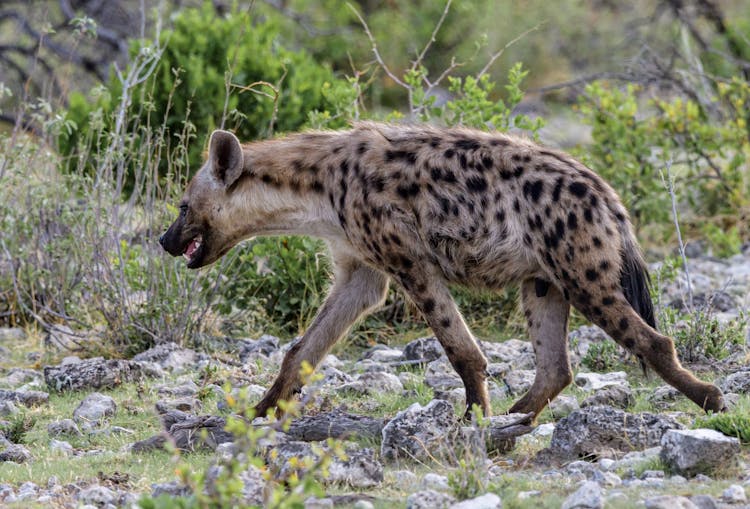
192	248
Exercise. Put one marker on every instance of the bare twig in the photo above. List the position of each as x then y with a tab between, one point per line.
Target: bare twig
375	51
669	185
499	53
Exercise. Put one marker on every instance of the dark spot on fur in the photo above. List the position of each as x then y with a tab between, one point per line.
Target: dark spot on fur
608	301
516	205
500	215
518	171
597	241
408	190
558	188
362	148
604	265
487	163
436	174
463	161
623	324
467	144
434	142
445	323
559	228
396	239
629	343
541	287
476	184
533	190
592	274
572	221
449	153
428	306
578	189
588	216
400	155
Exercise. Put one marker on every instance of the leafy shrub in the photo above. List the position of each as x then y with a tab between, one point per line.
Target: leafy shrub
735	423
632	143
286	276
213	71
601	356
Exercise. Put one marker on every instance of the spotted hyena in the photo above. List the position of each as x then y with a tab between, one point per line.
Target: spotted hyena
430	207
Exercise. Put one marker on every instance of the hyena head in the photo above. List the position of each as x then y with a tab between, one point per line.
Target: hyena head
203	232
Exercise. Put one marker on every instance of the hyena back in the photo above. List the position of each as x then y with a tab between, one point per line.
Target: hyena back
428	207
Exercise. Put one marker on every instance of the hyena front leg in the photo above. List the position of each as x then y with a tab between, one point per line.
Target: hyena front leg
547	313
357	289
434	300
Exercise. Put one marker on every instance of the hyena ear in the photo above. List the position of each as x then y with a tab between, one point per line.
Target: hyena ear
225	156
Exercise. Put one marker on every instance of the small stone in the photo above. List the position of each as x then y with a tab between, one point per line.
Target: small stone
15	453
562	406
544	430
738	382
429	499
486	501
63	427
185	390
734	494
8	334
669	502
607	479
8	408
516	352
423	350
704	502
690	452
664	396
588	496
363	504
403	479
173	488
253	485
360	470
519	381
97	495
25	398
603	430
384	354
432	481
618	396
318	503
17	377
597	381
94	409
419	432
61	447
171	356
190	405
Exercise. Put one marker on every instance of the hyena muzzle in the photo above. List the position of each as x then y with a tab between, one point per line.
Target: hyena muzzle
430	207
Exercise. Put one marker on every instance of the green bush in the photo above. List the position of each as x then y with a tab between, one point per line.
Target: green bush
633	142
230	70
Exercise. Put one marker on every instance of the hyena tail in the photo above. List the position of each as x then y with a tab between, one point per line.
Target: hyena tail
635	280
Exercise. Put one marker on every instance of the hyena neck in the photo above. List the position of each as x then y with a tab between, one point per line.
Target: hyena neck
285	184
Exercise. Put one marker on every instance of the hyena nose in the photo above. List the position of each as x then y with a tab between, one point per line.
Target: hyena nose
161	239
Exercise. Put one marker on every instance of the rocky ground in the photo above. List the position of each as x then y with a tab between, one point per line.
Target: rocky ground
102	433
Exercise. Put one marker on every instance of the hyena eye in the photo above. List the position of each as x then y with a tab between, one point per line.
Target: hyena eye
183	209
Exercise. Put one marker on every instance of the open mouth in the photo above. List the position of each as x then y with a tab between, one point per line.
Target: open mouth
193	249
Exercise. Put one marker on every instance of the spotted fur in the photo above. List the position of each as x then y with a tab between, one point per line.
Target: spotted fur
428	207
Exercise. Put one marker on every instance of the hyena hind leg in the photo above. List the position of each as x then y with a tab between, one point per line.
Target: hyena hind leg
658	352
357	289
546	312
